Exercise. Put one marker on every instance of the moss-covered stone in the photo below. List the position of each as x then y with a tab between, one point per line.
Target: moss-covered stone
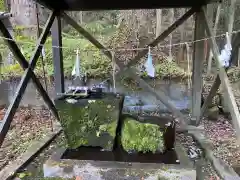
141	137
90	122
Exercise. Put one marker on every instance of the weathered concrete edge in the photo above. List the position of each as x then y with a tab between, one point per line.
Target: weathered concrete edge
185	162
225	171
189	128
57	165
37	147
183	156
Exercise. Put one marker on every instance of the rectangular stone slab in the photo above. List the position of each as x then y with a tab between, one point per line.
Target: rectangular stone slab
154	134
90	122
105	170
141	137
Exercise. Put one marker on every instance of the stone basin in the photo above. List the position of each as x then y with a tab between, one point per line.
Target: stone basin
90	121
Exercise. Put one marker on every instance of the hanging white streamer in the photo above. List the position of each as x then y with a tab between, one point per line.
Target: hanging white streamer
113	72
226	52
149	65
76	68
43	52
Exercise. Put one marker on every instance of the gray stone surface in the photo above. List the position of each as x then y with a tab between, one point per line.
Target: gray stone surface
103	170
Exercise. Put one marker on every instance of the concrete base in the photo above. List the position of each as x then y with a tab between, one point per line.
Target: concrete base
106	170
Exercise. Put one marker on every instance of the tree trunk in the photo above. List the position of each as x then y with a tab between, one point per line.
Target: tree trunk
209	67
170	36
81	17
182	27
23	12
231	13
158	22
182	38
230	21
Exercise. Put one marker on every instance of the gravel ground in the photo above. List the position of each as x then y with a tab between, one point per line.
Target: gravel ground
34	170
224	141
27	126
222	134
205	171
31	124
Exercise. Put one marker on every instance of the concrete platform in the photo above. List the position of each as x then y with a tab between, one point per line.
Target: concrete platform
106	170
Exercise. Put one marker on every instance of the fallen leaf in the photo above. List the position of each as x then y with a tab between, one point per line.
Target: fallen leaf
79	178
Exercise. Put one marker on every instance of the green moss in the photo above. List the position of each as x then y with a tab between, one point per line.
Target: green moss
95	63
170	69
110	128
141	137
93	123
2	5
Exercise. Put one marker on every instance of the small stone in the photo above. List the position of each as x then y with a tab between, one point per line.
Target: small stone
16	178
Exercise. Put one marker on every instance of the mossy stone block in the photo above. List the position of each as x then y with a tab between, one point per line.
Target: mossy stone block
213	113
141	137
90	122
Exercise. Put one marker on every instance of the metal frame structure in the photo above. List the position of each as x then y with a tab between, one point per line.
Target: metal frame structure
54	21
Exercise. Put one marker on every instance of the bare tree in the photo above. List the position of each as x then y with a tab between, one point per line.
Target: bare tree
214	33
81	17
182	37
158	22
230	21
170	36
23	12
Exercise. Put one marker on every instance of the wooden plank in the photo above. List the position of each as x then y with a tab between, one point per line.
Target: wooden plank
188	128
210	96
182	155
224	171
56	33
10	170
230	99
214	33
231	13
198	58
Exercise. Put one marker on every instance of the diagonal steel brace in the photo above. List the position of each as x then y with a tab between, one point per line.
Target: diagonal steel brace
86	34
229	96
223	78
28	74
161	37
159	96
